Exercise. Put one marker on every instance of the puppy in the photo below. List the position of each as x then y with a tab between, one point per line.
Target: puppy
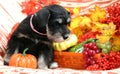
37	32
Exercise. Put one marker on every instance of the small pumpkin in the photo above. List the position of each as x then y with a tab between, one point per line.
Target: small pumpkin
23	60
61	46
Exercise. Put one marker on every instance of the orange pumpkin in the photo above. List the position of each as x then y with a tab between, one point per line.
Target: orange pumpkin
23	60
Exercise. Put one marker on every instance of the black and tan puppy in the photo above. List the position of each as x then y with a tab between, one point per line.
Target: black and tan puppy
37	32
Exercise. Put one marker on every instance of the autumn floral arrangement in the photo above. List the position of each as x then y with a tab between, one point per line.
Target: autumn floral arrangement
96	34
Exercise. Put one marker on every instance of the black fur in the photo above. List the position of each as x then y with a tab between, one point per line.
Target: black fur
51	20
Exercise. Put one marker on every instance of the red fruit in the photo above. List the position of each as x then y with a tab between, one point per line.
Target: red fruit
114	14
92	62
106	61
93	67
90	49
87	36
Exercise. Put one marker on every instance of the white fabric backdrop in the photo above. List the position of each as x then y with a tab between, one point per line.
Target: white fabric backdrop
10	14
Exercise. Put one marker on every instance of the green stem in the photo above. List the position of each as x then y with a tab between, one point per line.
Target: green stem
24	52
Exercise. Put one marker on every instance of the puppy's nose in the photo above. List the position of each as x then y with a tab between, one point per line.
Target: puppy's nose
65	36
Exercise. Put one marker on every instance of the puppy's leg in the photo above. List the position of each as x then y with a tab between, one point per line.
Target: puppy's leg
12	47
8	54
45	56
42	63
45	60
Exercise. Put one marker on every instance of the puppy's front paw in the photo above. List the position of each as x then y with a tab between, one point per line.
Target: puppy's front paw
53	65
42	67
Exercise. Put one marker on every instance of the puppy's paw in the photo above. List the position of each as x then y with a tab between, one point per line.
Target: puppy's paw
42	67
53	65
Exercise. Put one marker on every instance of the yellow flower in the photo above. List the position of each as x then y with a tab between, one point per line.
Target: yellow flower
110	30
99	26
85	21
76	11
103	38
97	14
106	30
75	22
80	21
116	43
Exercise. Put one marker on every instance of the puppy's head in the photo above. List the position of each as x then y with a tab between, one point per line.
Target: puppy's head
56	19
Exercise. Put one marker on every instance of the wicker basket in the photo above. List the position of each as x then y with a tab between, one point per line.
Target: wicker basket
69	60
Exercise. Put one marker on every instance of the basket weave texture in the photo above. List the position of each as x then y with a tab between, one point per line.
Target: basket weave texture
69	60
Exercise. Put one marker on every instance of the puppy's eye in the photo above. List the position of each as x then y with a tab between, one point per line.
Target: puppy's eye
59	20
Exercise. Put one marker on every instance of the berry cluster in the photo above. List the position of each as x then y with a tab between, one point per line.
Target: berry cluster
114	14
106	62
90	49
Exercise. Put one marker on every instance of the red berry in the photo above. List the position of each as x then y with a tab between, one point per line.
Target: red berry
92	62
114	12
98	50
106	62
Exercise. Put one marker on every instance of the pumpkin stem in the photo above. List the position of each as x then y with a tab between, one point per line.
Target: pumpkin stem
24	52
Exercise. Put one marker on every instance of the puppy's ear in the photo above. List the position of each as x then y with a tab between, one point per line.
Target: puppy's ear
43	16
